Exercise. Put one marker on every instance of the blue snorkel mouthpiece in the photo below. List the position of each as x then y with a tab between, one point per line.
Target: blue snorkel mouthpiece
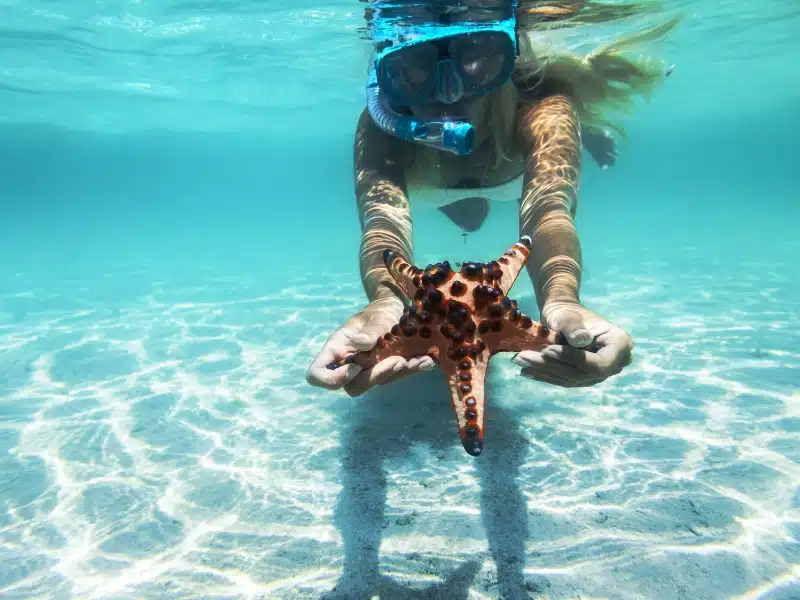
458	137
453	136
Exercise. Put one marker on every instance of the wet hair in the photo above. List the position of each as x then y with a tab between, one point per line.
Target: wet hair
608	76
576	48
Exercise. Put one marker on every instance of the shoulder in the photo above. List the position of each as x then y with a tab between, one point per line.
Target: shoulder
373	145
545	117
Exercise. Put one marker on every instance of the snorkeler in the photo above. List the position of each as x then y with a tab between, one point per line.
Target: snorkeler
463	105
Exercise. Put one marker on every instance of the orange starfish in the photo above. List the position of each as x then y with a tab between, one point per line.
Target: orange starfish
460	319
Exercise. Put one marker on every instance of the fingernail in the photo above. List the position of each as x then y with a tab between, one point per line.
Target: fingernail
519	361
580	337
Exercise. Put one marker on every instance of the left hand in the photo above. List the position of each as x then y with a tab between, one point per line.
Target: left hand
596	350
602	147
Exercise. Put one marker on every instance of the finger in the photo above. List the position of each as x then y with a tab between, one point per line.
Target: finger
544	369
367	336
569	322
574	357
339	342
547	367
545	376
421	363
527	358
320	375
414	365
397	376
608	360
374	376
616	347
537	375
588	366
337	347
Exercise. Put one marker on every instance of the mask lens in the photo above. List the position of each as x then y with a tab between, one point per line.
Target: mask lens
483	60
408	75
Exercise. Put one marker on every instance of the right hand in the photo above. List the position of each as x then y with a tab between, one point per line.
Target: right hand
361	332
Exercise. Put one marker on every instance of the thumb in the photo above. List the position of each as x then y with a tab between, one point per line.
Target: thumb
374	327
570	323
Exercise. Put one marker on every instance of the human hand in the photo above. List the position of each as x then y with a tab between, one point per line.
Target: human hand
360	332
596	350
602	147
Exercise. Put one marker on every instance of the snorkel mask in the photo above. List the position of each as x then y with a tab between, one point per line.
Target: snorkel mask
441	60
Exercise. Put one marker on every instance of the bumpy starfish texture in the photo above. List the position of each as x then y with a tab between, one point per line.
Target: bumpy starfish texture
460	319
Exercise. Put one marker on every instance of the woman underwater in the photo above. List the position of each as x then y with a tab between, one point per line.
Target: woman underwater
503	113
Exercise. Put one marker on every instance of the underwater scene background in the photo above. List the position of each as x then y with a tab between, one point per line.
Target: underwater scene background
178	237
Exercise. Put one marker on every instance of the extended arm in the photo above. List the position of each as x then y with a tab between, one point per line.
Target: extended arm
385	216
552	139
550	135
383	206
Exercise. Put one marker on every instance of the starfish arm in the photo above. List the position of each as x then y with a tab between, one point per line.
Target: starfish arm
512	261
404	339
402	272
466	378
419	330
522	333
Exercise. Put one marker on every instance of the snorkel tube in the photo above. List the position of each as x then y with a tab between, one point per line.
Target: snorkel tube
453	136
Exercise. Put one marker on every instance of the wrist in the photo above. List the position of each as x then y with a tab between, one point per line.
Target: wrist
558	282
553	301
379	285
388	297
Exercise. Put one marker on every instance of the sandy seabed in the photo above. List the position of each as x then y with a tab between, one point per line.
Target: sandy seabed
158	440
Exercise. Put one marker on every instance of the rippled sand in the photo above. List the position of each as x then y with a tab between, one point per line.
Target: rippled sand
158	440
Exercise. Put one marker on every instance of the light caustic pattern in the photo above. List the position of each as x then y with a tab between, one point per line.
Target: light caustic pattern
163	443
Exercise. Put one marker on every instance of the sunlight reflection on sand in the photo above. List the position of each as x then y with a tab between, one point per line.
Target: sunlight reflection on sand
165	444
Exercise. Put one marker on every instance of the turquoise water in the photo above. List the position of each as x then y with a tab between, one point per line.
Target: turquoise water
178	237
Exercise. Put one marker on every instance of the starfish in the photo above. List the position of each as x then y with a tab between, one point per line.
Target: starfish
461	319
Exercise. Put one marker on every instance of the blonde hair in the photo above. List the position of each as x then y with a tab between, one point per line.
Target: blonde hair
599	82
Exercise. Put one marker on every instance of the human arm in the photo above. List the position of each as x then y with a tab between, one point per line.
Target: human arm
385	217
550	136
549	133
384	211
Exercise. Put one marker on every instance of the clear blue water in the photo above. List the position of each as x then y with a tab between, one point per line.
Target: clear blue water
178	236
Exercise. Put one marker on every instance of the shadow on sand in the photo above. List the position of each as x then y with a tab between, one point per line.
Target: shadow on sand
384	424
